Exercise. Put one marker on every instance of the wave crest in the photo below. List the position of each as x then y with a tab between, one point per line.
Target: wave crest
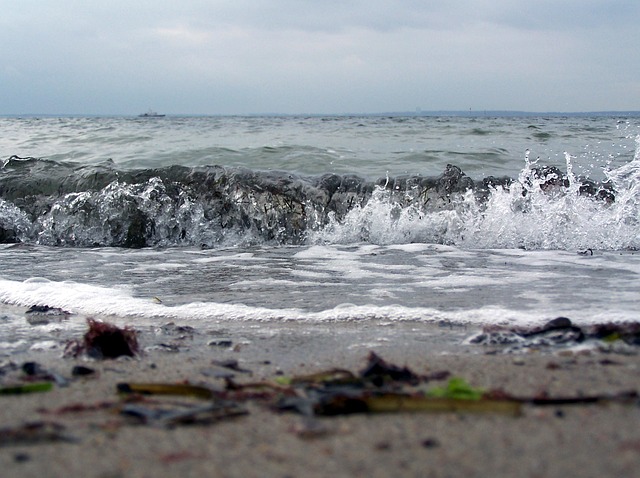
61	204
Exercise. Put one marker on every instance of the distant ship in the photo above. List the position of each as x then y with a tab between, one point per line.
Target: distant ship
151	114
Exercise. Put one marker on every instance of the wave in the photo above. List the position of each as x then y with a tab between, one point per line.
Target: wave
67	204
119	305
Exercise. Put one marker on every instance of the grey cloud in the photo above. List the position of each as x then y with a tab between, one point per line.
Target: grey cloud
307	55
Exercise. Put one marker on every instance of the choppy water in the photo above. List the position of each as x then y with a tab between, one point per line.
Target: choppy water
321	219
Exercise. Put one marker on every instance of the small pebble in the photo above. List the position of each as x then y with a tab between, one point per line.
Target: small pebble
21	457
430	443
32	368
82	371
220	343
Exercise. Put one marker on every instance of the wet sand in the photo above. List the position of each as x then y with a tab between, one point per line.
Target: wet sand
569	440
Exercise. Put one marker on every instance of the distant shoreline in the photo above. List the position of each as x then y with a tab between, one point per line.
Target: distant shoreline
393	114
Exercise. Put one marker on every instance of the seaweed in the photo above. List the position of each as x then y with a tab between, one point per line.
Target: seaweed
380	372
458	389
560	331
33	433
33	387
165	389
406	402
382	387
379	387
104	341
160	414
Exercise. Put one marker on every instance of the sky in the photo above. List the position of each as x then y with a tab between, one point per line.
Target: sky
317	56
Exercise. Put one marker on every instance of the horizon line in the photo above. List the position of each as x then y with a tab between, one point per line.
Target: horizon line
381	113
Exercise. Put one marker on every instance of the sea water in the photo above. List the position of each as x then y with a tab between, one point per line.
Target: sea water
323	221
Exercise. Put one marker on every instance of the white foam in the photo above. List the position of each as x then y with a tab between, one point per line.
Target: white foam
245	256
102	301
165	266
528	215
262	283
73	297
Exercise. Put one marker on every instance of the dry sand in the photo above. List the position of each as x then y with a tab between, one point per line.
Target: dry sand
562	441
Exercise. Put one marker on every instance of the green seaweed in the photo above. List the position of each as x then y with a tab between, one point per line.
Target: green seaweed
456	388
34	387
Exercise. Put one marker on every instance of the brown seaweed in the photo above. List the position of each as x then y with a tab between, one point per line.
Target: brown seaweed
166	415
33	433
105	341
559	331
406	402
379	372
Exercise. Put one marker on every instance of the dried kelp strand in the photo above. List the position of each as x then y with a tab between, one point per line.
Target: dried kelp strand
333	376
389	403
165	389
403	403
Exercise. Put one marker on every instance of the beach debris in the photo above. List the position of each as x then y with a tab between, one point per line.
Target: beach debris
35	371
457	388
32	387
231	364
82	371
223	343
32	369
29	377
182	414
43	314
629	333
430	443
163	347
33	433
406	402
560	331
182	331
104	341
162	414
338	392
165	389
21	457
628	397
179	335
177	457
382	387
380	372
80	408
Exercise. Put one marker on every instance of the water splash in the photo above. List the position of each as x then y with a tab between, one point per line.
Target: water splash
542	209
382	220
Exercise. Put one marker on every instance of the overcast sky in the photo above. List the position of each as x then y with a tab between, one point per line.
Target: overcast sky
317	56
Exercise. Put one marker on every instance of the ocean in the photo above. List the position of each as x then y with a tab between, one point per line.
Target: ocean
331	222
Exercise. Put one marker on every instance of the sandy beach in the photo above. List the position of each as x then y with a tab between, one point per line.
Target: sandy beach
79	428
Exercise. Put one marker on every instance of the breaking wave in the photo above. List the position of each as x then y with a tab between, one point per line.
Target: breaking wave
64	204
